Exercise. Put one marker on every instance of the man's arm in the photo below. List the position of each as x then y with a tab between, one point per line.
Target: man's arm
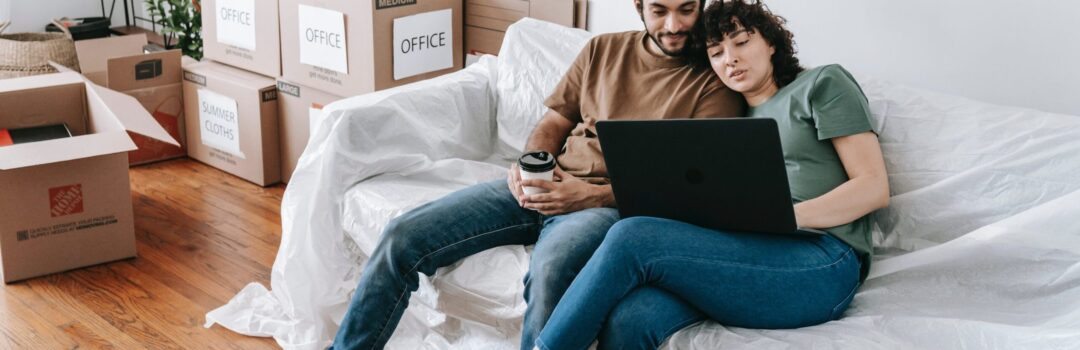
570	193
550	133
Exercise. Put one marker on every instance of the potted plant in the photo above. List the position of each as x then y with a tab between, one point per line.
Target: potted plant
181	24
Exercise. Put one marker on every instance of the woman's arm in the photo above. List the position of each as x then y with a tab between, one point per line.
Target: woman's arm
866	190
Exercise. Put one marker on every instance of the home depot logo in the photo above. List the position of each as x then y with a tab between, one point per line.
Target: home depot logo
66	200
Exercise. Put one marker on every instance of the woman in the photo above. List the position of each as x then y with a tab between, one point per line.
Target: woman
677	274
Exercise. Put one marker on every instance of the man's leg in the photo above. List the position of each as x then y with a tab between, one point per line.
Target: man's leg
431	236
565	245
645	318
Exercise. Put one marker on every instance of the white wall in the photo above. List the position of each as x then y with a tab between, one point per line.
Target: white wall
5	10
608	16
33	15
1005	52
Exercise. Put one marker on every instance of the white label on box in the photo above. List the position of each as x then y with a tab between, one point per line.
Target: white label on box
236	23
423	43
219	122
322	38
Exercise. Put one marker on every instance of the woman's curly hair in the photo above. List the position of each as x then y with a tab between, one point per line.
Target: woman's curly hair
723	17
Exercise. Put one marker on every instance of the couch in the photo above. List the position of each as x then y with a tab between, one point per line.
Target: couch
980	247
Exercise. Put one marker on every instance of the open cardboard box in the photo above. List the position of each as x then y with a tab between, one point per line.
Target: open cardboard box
154	79
67	202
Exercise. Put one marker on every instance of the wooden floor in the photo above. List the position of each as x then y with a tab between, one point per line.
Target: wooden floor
202	235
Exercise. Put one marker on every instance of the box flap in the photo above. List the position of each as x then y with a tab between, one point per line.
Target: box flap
66	76
94	54
128	111
131	114
108	136
62	150
144	71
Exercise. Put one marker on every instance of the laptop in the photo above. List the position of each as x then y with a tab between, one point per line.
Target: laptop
723	174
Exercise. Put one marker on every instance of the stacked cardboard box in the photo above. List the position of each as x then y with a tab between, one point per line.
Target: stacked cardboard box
240	34
233	121
358	46
233	124
319	51
486	20
67	201
296	107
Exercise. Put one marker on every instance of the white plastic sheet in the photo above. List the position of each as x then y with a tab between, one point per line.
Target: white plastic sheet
979	249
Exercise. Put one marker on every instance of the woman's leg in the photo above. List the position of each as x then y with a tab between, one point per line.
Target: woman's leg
645	318
738	279
566	242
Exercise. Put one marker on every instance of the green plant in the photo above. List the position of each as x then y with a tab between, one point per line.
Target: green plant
181	24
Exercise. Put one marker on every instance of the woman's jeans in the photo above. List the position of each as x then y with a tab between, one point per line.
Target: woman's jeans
675	274
454	227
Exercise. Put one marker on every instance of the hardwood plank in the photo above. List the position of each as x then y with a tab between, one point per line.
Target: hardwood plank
24	329
204	249
201	236
217	202
115	300
49	298
88	338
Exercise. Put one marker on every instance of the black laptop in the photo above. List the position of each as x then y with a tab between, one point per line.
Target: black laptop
724	174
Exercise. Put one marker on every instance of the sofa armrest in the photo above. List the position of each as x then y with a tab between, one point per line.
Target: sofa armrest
451	116
399	130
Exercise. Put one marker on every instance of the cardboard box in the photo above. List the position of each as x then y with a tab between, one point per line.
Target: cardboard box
296	104
486	20
67	202
242	35
119	64
359	46
233	121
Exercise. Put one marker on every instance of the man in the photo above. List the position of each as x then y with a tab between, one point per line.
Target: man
631	75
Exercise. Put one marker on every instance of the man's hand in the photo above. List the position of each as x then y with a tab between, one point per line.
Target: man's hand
568	195
513	179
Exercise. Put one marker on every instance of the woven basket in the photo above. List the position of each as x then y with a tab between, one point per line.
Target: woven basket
24	54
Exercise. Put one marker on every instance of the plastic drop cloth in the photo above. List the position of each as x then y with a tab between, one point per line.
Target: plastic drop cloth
980	247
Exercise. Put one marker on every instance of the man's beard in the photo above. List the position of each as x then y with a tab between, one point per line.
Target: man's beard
687	43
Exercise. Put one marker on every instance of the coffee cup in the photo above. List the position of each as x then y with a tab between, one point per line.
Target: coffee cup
536	165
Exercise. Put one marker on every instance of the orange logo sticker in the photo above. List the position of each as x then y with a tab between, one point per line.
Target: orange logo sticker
66	200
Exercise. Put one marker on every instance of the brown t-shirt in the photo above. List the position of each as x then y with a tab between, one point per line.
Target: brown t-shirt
616	77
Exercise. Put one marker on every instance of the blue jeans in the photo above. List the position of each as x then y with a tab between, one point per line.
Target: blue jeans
461	224
657	276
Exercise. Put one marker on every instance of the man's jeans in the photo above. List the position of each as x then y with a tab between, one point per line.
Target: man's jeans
461	224
652	277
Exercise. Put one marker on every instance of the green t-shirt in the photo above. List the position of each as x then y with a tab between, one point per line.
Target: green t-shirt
822	103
